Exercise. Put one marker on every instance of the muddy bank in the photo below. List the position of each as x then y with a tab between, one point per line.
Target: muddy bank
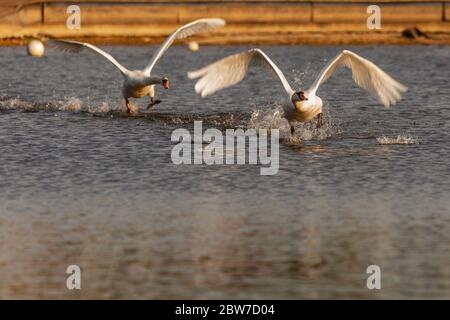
283	22
240	34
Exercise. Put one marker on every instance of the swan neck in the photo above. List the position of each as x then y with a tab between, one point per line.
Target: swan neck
154	80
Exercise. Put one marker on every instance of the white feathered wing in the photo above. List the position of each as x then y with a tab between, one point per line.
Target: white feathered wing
201	25
231	70
366	75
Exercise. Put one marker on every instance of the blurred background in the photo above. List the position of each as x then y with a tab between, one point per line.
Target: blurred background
249	21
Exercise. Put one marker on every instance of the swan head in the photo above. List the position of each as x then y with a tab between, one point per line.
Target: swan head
301	95
165	82
298	99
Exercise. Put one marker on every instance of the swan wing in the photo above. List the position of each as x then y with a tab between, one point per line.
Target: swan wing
75	46
231	70
366	75
201	25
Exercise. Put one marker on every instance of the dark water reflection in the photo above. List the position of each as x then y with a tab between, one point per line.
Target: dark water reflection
101	191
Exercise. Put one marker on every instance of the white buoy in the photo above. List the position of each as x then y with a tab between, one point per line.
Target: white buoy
193	46
36	48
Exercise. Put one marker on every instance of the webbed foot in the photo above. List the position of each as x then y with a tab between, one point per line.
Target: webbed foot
152	103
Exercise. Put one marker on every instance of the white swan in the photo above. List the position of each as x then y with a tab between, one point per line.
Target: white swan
140	83
300	106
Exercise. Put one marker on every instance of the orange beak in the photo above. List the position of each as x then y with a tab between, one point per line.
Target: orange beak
165	83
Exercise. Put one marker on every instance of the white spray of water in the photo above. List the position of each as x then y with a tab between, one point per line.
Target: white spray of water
71	104
105	107
273	117
400	139
74	104
67	104
15	103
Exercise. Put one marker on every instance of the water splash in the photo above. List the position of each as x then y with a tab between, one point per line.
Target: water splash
67	104
269	116
105	107
14	104
71	104
400	139
273	118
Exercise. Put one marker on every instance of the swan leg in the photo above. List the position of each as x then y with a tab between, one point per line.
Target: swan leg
127	103
292	130
152	102
151	94
319	120
130	108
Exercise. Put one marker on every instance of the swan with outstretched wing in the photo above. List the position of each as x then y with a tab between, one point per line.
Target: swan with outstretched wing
301	106
140	83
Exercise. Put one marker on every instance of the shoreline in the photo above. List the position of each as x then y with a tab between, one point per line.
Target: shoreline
237	35
282	22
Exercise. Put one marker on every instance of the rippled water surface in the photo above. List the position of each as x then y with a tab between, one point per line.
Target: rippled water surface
80	183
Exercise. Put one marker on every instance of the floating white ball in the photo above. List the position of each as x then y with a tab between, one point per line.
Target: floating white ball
193	46
36	48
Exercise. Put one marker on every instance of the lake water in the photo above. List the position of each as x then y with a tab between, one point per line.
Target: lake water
82	184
